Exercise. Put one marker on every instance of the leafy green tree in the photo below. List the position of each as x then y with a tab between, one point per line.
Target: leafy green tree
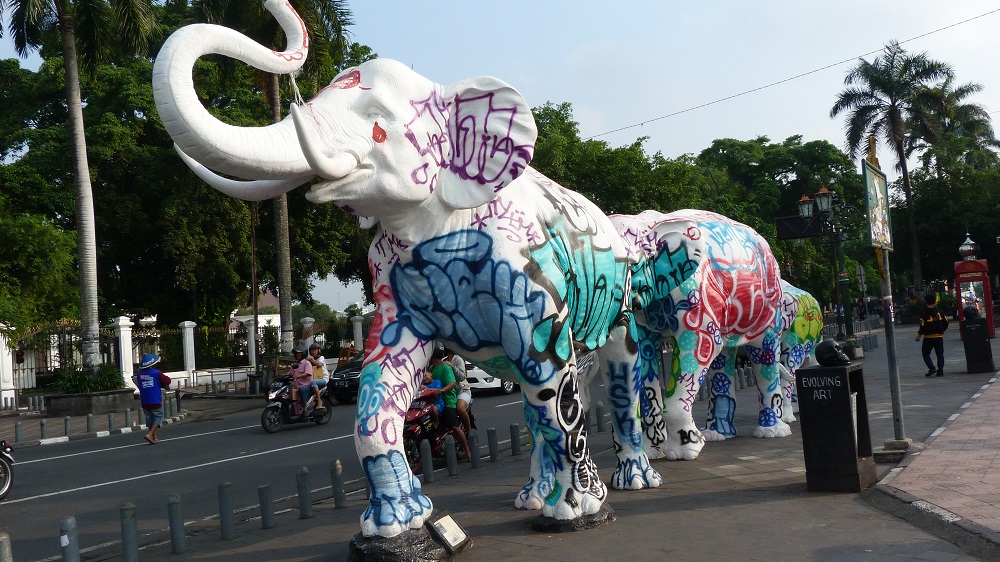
881	99
90	32
961	130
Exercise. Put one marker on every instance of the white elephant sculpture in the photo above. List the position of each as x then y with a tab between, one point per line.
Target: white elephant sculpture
473	247
712	284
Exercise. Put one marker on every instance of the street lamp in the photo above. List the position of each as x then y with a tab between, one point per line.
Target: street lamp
824	204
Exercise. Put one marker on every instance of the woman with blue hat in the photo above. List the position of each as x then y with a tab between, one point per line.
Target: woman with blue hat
150	381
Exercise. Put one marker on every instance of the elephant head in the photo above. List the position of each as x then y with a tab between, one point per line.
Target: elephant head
382	138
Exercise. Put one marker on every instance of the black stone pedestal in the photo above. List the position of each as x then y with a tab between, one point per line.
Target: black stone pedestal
833	416
545	524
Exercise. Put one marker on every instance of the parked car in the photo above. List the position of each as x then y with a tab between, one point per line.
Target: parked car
345	380
479	380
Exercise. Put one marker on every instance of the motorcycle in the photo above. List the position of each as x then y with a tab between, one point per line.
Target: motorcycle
6	468
419	425
282	409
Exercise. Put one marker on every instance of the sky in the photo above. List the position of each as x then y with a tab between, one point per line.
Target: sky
653	68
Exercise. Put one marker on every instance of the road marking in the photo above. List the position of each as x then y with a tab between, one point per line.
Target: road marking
143	444
133	478
507	404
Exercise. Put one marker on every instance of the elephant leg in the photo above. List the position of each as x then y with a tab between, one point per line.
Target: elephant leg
396	502
563	477
765	365
693	353
624	365
789	399
722	399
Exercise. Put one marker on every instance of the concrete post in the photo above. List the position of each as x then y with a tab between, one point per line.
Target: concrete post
7	391
251	342
187	337
359	343
123	330
307	324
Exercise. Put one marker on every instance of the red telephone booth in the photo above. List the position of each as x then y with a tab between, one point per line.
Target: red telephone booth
971	270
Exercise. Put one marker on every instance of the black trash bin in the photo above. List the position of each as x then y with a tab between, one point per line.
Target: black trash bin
976	340
833	416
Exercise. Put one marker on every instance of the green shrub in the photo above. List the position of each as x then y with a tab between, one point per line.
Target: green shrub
76	380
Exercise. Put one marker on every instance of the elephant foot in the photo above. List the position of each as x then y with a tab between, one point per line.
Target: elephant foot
634	473
713	435
396	502
572	504
530	497
654	452
788	417
685	445
546	524
780	429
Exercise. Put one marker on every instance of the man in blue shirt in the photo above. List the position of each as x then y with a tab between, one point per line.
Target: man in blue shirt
150	381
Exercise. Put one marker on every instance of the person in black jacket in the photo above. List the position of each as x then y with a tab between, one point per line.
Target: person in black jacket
932	326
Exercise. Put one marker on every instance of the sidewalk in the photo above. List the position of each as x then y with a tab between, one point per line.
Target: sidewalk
742	499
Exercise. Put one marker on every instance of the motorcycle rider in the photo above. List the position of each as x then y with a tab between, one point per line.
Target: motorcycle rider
301	372
442	371
429	382
319	372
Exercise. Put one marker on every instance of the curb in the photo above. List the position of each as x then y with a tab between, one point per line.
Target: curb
93	434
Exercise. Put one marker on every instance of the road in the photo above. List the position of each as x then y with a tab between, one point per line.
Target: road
91	478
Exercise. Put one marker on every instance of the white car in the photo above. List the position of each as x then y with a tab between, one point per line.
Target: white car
479	380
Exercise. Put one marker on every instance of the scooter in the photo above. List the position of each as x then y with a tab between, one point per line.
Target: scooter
282	409
6	468
419	425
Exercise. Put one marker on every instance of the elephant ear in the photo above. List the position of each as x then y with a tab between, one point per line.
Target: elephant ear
491	134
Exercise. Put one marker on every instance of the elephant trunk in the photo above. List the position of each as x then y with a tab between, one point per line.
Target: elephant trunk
270	152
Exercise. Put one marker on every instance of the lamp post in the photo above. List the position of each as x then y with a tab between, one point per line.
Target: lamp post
826	204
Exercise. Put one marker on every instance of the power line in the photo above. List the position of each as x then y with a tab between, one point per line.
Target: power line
797	76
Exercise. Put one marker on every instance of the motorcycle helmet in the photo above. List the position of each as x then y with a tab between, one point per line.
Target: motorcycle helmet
829	353
439	352
299	349
315	346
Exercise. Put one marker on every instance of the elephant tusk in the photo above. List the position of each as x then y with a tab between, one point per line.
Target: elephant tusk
329	167
255	190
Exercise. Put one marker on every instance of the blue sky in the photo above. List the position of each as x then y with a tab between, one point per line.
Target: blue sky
621	64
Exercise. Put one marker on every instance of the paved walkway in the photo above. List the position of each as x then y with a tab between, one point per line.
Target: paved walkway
742	499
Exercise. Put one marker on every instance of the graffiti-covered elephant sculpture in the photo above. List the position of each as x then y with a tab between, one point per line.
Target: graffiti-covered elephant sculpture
711	284
472	247
802	325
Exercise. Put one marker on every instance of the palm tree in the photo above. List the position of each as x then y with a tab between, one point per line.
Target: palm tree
881	100
959	128
90	33
326	22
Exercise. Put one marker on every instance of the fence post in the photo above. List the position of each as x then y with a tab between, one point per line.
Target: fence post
130	533
176	524
226	510
305	503
187	339
359	342
123	329
68	541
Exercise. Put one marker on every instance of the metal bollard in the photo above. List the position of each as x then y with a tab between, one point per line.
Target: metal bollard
68	541
474	448
90	423
599	414
266	507
130	533
17	432
5	553
305	503
41	428
176	520
337	479
111	421
66	423
515	439
494	445
451	454
226	510
427	461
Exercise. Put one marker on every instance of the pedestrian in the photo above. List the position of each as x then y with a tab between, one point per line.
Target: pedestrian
932	327
151	382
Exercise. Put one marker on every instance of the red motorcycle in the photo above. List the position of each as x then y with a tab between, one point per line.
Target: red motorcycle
6	468
419	425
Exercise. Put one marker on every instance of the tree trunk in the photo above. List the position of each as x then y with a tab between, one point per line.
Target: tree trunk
281	240
86	238
911	220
